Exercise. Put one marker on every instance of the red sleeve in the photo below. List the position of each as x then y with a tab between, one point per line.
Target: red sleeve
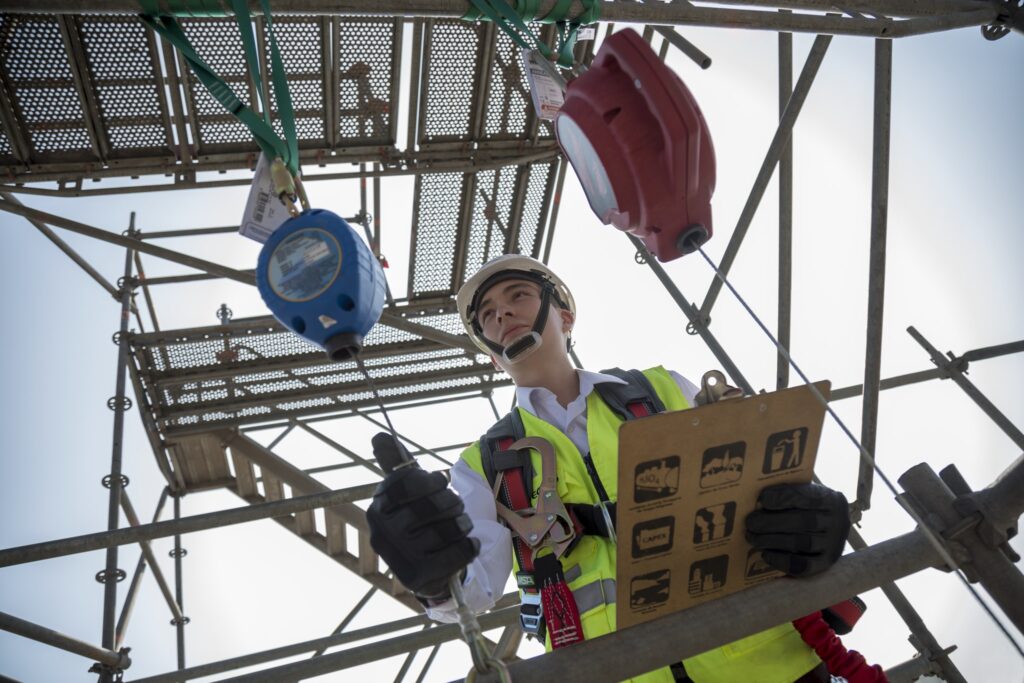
849	664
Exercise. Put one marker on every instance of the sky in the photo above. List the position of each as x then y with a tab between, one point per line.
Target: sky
954	240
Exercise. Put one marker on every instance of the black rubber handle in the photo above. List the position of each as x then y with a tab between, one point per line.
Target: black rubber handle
390	453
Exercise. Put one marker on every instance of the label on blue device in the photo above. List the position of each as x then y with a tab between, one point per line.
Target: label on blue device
304	265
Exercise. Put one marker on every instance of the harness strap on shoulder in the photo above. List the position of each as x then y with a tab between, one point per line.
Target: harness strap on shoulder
493	449
635	398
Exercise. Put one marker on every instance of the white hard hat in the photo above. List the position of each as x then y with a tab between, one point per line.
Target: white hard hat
507	267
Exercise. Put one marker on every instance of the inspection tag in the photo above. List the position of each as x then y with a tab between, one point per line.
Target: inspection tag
264	212
547	87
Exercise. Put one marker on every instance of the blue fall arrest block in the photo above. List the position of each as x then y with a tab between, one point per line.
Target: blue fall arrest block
319	279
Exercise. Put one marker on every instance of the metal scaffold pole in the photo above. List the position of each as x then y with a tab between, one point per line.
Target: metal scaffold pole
664	640
110	575
870	18
179	620
209	520
420	98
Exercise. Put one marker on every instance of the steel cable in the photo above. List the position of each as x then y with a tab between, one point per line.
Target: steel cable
931	534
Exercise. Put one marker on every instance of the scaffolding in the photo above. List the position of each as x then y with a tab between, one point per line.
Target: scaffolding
90	99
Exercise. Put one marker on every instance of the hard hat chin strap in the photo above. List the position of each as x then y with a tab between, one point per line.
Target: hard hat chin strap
527	344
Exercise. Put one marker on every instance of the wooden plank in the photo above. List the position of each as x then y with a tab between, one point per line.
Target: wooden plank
305	523
367	558
203	458
216	459
245	474
273	489
301	483
375	578
335	535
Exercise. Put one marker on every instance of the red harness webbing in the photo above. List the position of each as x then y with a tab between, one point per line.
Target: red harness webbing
518	499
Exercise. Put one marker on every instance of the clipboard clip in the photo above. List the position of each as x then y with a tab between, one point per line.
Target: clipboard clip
714	388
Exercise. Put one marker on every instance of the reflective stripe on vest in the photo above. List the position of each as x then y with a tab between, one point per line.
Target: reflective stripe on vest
593	594
777	655
590	595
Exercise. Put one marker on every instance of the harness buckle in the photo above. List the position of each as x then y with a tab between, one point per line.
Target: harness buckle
531	613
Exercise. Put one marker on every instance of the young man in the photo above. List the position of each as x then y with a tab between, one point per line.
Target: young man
518	311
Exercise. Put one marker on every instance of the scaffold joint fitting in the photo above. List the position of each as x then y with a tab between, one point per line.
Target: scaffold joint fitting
114	672
103	577
108	481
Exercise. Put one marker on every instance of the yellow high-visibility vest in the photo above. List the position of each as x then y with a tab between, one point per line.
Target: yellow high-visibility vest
777	655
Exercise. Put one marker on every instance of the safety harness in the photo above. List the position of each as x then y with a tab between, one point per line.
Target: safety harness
546	601
547	604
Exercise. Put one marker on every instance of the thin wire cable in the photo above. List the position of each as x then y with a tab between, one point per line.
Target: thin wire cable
471	632
376	396
932	536
814	390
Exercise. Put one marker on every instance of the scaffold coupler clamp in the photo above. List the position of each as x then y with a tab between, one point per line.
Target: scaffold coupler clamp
962	523
993	529
1011	16
288	187
115	671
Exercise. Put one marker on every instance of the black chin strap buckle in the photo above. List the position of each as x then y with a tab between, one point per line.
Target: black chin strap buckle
520	346
528	341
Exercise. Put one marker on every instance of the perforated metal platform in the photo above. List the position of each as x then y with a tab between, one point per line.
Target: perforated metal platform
98	96
257	371
83	97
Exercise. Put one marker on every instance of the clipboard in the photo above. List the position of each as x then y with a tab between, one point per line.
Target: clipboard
687	481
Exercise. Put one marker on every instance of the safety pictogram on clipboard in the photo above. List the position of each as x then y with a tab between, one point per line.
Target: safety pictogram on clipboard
688	480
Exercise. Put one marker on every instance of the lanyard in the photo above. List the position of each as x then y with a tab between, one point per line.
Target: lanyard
168	27
512	21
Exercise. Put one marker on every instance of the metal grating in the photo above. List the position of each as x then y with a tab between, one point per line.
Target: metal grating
366	51
255	371
39	77
538	198
219	44
509	108
305	68
439	198
77	92
450	84
502	216
491	218
123	70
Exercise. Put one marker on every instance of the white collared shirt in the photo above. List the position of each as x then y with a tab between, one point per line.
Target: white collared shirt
487	575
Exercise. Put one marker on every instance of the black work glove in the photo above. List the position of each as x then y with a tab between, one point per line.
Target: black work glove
421	530
800	529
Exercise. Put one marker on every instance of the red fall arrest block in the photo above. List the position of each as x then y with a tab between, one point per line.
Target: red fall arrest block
640	146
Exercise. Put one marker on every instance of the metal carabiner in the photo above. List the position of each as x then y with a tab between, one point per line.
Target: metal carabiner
288	187
549	522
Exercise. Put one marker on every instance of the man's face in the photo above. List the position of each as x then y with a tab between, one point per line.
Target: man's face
508	309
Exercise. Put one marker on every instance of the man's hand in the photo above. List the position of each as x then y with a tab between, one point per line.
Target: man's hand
800	528
421	530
